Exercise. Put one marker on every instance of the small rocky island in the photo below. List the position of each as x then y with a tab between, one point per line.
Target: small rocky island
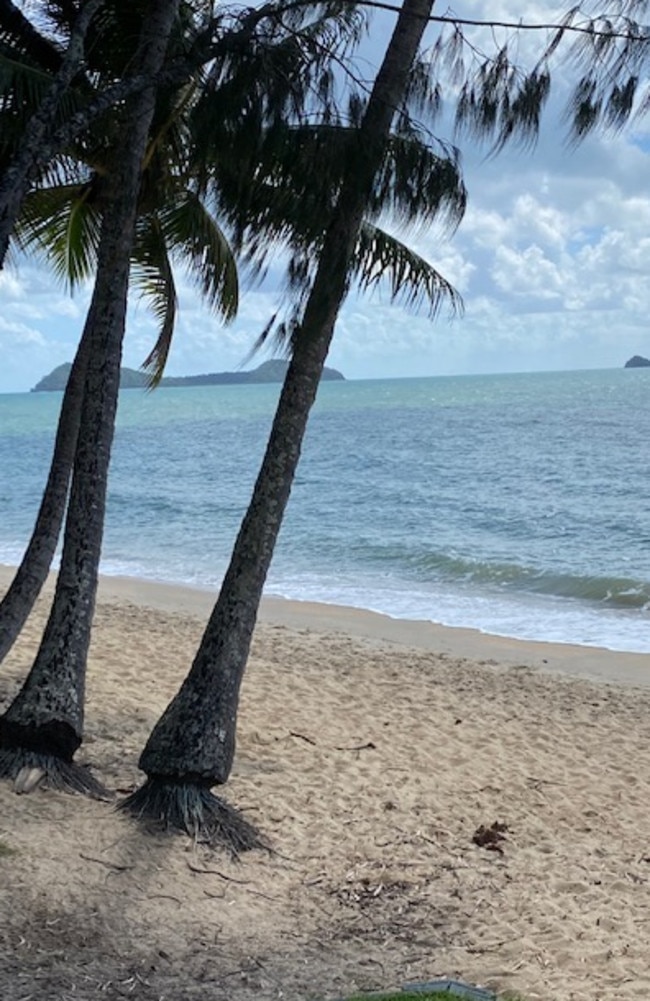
132	378
637	361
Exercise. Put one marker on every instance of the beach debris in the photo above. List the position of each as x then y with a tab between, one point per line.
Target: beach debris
364	892
301	736
490	837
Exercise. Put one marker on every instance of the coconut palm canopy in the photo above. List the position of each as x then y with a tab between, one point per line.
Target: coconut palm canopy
230	164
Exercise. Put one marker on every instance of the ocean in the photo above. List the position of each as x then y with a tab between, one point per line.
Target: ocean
518	505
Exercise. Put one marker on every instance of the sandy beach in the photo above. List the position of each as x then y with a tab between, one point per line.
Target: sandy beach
369	753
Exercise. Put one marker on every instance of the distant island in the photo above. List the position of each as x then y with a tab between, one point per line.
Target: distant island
132	378
637	361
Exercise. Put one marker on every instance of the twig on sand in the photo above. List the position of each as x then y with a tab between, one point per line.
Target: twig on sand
109	865
216	872
301	736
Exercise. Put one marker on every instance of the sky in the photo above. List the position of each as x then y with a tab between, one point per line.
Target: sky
552	260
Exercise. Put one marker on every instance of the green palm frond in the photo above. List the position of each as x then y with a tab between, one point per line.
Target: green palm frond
63	223
184	229
285	200
418	183
196	239
153	275
381	257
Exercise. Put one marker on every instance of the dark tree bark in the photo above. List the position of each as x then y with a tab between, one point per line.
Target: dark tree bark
37	560
193	744
24	167
43	726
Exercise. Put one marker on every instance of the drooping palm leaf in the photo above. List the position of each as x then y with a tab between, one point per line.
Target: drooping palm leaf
184	228
153	275
413	281
63	223
198	241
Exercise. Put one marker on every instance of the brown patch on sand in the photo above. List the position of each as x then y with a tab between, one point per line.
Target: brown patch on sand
352	760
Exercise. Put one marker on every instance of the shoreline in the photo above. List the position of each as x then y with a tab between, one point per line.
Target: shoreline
569	660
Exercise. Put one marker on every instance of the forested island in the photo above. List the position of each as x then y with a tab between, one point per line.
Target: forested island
132	378
637	361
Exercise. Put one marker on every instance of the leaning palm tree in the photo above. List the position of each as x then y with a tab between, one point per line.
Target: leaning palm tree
42	728
63	218
192	746
182	226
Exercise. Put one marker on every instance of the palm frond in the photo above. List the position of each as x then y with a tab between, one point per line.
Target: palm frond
285	200
153	275
413	282
64	223
22	88
419	183
280	73
19	33
196	238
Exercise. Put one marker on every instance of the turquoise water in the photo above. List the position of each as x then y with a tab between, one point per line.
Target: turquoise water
517	504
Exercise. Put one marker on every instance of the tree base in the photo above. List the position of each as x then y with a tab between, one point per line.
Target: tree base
29	769
192	808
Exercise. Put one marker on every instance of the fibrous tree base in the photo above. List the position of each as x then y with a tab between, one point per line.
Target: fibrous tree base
192	808
29	769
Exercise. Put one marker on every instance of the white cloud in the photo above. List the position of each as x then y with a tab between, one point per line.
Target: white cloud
12	334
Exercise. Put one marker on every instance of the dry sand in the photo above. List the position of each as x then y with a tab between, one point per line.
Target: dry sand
369	753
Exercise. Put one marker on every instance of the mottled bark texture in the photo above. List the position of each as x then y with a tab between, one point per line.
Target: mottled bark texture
37	560
193	743
16	179
47	714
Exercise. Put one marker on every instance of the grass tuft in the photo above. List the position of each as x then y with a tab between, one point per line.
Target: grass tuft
451	991
7	850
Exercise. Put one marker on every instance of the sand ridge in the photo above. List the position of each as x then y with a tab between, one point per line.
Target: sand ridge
369	765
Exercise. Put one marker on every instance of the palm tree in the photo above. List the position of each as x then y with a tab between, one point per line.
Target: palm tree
42	728
192	746
64	219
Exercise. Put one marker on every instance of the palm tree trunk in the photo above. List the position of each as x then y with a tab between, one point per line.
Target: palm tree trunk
193	743
21	171
32	573
43	726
